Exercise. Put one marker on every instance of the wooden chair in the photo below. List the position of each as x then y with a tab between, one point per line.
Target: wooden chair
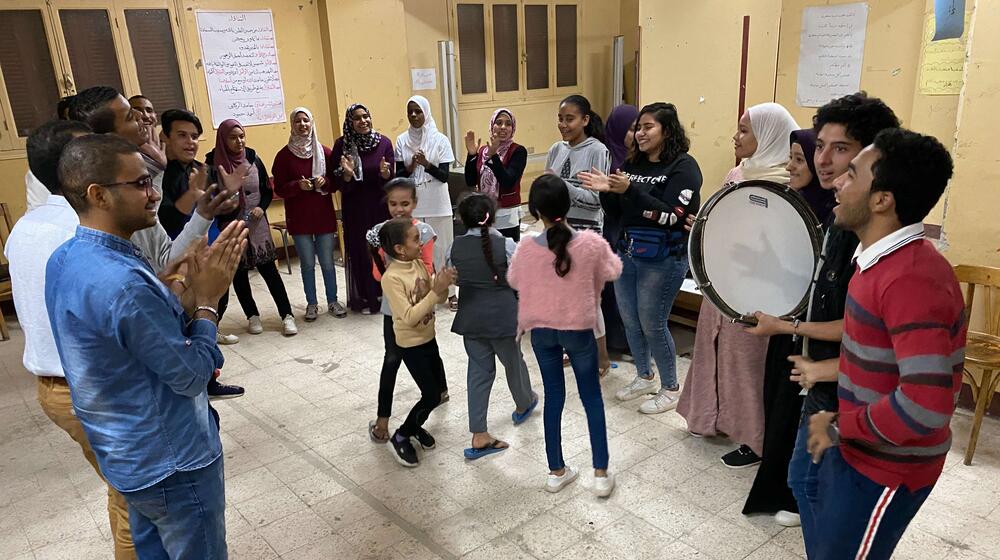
282	228
6	293
982	348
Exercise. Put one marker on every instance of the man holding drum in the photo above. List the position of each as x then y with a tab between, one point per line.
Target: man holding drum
844	126
903	353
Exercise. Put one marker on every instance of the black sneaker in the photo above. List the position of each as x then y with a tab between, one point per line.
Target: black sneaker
741	458
403	450
217	391
425	439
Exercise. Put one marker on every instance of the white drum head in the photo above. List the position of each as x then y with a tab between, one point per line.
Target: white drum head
757	250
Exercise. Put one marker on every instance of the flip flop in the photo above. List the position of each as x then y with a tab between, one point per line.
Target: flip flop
473	453
520	418
371	433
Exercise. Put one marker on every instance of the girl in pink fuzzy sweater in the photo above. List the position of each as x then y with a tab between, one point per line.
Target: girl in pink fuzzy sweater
559	276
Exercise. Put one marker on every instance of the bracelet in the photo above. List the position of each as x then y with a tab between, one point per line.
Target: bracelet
210	309
795	329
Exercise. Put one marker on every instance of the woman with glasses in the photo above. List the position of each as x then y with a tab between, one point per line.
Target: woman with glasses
232	154
362	161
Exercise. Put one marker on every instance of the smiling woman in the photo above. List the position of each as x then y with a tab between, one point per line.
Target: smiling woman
361	161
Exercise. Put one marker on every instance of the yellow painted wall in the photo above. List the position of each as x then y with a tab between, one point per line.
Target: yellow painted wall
690	56
970	230
892	50
429	21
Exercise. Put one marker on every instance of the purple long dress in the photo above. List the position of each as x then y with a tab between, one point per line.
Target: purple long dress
363	207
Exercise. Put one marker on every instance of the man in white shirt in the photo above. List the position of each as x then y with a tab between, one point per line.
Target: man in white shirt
36	236
32	240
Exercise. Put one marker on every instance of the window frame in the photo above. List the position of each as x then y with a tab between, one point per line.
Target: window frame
12	146
522	94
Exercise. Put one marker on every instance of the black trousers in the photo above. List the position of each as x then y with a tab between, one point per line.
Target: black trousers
427	370
241	283
390	367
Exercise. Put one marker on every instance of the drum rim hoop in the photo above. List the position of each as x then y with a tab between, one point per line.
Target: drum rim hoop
696	248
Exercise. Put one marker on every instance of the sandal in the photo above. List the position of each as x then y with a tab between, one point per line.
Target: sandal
473	453
374	437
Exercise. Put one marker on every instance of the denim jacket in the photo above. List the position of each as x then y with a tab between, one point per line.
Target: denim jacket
137	367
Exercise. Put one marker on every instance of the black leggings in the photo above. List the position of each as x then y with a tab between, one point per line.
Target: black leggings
427	370
390	367
241	283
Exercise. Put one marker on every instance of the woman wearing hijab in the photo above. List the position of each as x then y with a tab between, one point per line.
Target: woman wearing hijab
299	172
255	195
723	392
424	154
782	400
618	137
495	169
362	163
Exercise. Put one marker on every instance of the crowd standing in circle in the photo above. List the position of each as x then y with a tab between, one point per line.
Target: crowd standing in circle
852	461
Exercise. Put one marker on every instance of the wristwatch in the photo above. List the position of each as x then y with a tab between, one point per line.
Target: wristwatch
833	430
795	329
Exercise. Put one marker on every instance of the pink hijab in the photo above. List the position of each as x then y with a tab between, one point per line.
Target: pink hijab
221	155
487	180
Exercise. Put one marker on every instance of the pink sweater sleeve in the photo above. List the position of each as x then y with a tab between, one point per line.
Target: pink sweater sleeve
611	265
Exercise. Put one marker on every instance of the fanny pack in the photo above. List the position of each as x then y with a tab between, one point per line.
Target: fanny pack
651	244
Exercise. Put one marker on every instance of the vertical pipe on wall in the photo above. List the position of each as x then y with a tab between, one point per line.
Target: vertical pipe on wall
617	70
449	95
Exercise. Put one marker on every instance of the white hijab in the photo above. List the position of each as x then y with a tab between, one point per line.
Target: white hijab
773	126
308	146
436	146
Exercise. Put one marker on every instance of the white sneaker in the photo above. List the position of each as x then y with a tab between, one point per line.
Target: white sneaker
787	519
663	401
636	388
254	326
221	338
288	327
603	485
556	483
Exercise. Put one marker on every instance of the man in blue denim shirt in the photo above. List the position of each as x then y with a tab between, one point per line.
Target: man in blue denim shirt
137	360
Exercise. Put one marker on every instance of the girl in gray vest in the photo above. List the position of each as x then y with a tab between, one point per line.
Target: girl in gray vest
487	321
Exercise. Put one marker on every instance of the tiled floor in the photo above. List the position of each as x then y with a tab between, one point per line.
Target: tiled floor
304	482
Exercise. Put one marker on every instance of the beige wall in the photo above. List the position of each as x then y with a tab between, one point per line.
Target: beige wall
630	30
699	70
970	228
429	21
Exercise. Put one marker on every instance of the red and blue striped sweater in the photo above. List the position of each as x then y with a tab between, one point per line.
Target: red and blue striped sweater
901	361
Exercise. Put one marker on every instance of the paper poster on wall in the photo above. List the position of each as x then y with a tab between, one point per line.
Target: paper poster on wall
240	59
423	78
942	62
831	50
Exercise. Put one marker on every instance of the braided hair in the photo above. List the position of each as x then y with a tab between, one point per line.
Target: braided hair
478	210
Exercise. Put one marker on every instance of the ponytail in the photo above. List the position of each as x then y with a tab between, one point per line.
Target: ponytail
549	199
595	126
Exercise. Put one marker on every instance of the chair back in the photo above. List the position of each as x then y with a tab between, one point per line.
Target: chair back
987	280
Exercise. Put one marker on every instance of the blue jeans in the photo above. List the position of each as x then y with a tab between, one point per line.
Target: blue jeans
309	247
581	348
182	517
804	483
860	518
646	291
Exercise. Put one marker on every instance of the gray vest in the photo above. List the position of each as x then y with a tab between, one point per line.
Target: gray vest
487	308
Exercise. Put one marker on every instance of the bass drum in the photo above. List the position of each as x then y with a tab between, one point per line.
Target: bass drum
754	247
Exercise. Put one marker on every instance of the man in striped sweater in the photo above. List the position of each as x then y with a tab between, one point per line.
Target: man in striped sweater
902	355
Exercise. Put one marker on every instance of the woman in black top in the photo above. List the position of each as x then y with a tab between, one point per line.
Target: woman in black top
495	169
650	197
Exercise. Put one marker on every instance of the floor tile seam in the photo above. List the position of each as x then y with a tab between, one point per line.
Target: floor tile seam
349	485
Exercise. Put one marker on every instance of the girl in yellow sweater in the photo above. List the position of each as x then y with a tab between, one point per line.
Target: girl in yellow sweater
412	295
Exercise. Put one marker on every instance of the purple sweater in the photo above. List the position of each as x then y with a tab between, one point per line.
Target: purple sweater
568	303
